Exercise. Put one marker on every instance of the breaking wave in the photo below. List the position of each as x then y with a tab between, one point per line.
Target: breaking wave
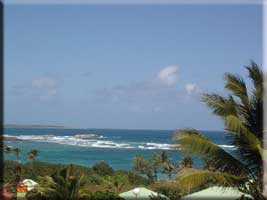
99	142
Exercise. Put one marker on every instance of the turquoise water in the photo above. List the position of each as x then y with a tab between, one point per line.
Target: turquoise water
116	147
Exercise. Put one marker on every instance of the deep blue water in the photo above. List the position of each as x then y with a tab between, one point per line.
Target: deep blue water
116	147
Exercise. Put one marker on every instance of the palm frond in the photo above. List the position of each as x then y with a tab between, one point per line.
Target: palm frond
192	179
234	125
249	147
238	87
256	75
220	106
194	142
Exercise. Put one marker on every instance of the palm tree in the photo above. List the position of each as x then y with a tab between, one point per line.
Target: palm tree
209	165
62	185
17	152
168	168
143	166
156	163
7	149
242	113
115	183
32	155
186	162
164	156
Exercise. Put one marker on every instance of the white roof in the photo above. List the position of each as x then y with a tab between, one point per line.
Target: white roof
143	194
29	182
216	192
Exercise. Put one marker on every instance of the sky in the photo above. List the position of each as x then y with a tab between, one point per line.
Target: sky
124	66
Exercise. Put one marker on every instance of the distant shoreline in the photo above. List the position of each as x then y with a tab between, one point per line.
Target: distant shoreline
66	127
38	126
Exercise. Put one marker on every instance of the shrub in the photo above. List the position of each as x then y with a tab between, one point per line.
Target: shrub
169	189
104	196
103	169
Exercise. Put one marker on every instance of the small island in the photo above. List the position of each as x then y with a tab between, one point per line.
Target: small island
9	138
87	136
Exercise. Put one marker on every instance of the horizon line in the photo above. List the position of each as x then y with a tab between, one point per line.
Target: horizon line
75	127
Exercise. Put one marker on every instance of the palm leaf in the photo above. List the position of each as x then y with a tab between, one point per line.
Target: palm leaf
193	142
256	75
234	125
192	179
237	86
220	106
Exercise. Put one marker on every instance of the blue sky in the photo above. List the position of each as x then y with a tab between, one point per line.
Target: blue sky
122	66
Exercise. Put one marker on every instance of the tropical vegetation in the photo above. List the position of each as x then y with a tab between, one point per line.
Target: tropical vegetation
242	113
159	162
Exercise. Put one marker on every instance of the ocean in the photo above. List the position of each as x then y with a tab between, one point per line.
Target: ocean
115	147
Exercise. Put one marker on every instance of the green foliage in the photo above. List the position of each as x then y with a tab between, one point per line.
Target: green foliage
189	179
143	166
103	169
135	179
32	154
7	149
157	197
168	168
93	179
164	156
194	142
17	152
156	163
103	196
34	195
65	184
160	160
186	162
45	172
209	165
242	113
44	169
115	183
169	189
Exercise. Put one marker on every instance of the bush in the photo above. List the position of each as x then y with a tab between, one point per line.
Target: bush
103	169
93	179
104	196
135	179
169	189
35	195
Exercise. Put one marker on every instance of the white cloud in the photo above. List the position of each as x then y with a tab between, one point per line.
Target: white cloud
155	94
45	87
169	75
42	88
43	83
191	88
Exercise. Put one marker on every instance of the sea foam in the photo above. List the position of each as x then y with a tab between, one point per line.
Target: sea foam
100	142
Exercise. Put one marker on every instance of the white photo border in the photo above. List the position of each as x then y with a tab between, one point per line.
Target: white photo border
176	2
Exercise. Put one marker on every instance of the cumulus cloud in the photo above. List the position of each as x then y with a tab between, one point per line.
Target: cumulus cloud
154	94
42	88
191	88
45	87
44	83
141	91
169	75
